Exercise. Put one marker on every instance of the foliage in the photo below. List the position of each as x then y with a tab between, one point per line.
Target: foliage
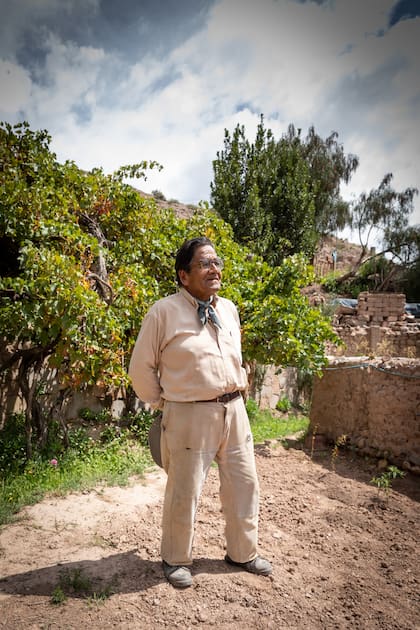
77	289
376	274
84	256
279	195
385	212
329	167
278	305
157	194
265	426
284	404
75	581
58	596
384	481
13	444
82	466
140	423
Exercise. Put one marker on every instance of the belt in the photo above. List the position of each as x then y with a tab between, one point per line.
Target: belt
224	398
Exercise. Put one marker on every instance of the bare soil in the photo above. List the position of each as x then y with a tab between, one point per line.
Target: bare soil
342	557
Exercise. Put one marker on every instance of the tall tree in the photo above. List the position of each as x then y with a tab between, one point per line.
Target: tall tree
385	213
279	195
329	166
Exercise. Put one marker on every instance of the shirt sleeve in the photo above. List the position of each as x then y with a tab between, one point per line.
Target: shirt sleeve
143	368
237	331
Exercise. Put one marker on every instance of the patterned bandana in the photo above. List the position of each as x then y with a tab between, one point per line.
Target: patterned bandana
206	311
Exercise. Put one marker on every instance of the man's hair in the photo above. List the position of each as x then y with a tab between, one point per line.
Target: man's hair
186	252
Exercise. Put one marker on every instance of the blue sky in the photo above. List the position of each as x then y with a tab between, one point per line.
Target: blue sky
119	82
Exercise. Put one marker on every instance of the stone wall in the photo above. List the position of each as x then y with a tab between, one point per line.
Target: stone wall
378	326
277	383
375	403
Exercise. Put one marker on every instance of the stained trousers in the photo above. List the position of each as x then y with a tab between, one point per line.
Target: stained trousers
193	436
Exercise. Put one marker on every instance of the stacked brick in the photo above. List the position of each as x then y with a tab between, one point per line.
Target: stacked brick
379	327
381	307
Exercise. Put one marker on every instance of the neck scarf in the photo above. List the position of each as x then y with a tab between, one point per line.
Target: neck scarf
206	312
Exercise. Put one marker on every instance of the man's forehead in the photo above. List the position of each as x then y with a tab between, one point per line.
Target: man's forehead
204	251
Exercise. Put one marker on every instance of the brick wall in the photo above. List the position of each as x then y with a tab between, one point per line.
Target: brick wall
378	326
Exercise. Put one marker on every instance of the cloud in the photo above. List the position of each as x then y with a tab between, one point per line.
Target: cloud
404	10
16	87
118	86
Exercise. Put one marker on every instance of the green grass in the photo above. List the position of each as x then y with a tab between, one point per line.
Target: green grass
265	426
97	464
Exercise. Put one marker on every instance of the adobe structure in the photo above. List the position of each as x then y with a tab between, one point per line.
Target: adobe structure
370	391
378	325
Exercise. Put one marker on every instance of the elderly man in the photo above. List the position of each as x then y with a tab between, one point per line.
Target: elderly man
187	361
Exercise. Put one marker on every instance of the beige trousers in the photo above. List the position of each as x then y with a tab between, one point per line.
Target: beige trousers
193	436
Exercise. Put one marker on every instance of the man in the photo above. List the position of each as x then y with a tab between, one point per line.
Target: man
187	361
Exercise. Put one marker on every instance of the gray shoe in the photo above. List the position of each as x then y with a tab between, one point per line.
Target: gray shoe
178	576
258	565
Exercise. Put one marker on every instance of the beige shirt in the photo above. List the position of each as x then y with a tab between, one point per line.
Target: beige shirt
176	358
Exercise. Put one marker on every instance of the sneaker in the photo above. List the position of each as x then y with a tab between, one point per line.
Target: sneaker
258	565
178	576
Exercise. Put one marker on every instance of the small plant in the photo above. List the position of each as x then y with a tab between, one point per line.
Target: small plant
411	352
340	441
78	439
265	426
99	417
101	596
110	433
284	404
384	481
252	409
363	348
58	596
140	423
157	194
384	348
75	581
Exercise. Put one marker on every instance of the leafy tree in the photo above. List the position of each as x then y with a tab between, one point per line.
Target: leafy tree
385	212
279	195
329	166
85	256
73	289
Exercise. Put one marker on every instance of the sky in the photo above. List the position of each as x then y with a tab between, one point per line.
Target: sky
115	83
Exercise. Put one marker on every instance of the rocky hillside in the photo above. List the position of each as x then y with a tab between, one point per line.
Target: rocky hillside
347	253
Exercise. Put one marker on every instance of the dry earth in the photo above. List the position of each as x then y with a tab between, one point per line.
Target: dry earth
341	557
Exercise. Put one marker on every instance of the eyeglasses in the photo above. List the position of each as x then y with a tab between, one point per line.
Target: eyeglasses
206	263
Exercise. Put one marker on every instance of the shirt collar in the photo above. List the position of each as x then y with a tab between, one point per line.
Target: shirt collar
192	300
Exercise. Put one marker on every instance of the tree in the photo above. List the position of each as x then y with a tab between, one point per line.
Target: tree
385	212
86	256
279	195
329	166
66	294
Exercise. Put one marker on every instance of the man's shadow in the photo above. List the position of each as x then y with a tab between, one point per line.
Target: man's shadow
120	573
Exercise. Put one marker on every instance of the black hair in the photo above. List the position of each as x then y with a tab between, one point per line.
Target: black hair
186	253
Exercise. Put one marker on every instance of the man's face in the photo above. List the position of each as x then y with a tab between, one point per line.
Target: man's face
202	283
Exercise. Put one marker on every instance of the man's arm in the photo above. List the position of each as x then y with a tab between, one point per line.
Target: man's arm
143	368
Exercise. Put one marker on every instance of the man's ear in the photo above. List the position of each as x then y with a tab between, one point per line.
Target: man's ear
183	276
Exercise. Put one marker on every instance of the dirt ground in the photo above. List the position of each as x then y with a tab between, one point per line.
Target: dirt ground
342	558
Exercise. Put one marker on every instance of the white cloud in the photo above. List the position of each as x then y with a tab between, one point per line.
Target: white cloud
297	63
15	86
